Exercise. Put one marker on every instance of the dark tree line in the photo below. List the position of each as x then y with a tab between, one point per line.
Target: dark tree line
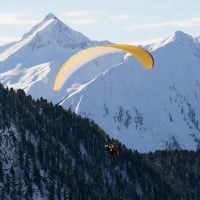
48	152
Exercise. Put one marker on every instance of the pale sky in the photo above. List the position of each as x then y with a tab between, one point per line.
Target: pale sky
123	21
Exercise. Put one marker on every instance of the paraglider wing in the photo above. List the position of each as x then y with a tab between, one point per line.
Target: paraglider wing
141	54
86	55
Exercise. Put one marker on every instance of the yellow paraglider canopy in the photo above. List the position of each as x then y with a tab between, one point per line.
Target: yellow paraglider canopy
86	55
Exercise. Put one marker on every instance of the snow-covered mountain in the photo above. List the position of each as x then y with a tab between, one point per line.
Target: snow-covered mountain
32	62
51	38
149	110
146	110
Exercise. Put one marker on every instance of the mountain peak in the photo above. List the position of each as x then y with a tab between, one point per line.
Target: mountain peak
180	35
52	31
50	16
44	24
50	35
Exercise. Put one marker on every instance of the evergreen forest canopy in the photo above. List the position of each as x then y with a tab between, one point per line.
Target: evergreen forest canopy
47	152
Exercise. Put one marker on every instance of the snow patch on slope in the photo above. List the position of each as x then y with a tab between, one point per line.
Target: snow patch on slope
20	78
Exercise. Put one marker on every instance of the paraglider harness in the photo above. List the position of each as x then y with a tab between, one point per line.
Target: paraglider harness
112	149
